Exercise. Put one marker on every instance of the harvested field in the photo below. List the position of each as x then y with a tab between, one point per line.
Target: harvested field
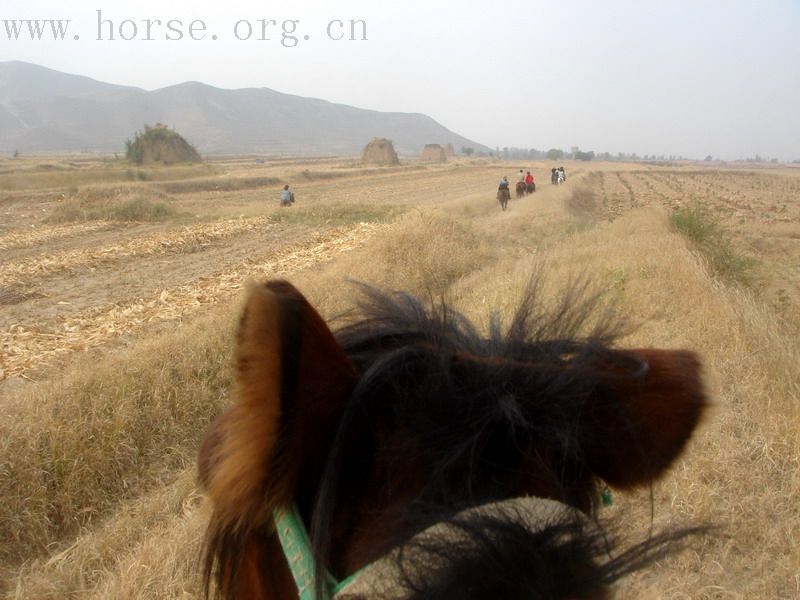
115	341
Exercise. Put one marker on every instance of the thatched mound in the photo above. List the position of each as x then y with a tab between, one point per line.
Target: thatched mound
160	144
433	153
449	151
380	151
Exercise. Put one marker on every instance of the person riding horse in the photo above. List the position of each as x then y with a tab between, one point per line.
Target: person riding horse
503	192
529	183
287	196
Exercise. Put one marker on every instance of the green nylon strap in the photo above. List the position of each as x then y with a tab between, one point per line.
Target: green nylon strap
297	550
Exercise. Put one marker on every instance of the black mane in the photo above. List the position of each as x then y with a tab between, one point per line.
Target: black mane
501	556
473	409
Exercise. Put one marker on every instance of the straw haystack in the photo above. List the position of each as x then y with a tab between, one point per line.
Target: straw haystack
433	153
380	151
449	151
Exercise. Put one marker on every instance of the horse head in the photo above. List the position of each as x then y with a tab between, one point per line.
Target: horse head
408	417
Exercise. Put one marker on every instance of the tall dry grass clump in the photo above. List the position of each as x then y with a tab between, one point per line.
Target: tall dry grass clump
584	201
111	429
425	253
146	548
126	204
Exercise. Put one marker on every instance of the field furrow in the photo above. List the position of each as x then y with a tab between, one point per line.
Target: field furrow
39	234
167	242
27	348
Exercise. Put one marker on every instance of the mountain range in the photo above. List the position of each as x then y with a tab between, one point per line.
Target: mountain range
42	110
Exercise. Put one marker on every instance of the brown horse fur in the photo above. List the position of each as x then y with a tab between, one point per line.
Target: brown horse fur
246	466
408	416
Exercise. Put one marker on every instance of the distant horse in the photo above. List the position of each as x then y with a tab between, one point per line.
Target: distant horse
409	417
522	189
554	176
531	187
503	196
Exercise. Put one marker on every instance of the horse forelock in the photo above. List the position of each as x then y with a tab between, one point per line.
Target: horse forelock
483	415
429	368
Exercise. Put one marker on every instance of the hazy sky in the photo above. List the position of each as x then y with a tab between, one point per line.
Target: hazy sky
682	77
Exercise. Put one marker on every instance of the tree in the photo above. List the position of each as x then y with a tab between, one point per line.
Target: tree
466	151
159	144
555	154
587	156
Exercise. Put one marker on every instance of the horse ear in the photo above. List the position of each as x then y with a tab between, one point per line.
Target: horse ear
292	380
639	426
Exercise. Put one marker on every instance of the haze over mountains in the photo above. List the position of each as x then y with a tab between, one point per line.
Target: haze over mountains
42	110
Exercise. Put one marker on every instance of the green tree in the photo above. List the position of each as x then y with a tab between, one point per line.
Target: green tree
555	154
466	151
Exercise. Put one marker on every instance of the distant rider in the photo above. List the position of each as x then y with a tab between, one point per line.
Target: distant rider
287	196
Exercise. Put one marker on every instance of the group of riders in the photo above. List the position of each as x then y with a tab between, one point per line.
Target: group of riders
526	184
558	175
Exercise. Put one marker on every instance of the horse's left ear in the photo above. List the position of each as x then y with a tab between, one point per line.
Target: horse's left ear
293	379
636	427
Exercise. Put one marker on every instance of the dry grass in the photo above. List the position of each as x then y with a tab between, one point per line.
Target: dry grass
426	253
156	532
698	225
135	207
76	447
64	174
97	494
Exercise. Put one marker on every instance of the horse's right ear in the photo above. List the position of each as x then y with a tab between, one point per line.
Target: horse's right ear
293	379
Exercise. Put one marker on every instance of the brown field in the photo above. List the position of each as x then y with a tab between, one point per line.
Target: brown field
119	288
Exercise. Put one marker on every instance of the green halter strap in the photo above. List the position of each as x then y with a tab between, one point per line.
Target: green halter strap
297	550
